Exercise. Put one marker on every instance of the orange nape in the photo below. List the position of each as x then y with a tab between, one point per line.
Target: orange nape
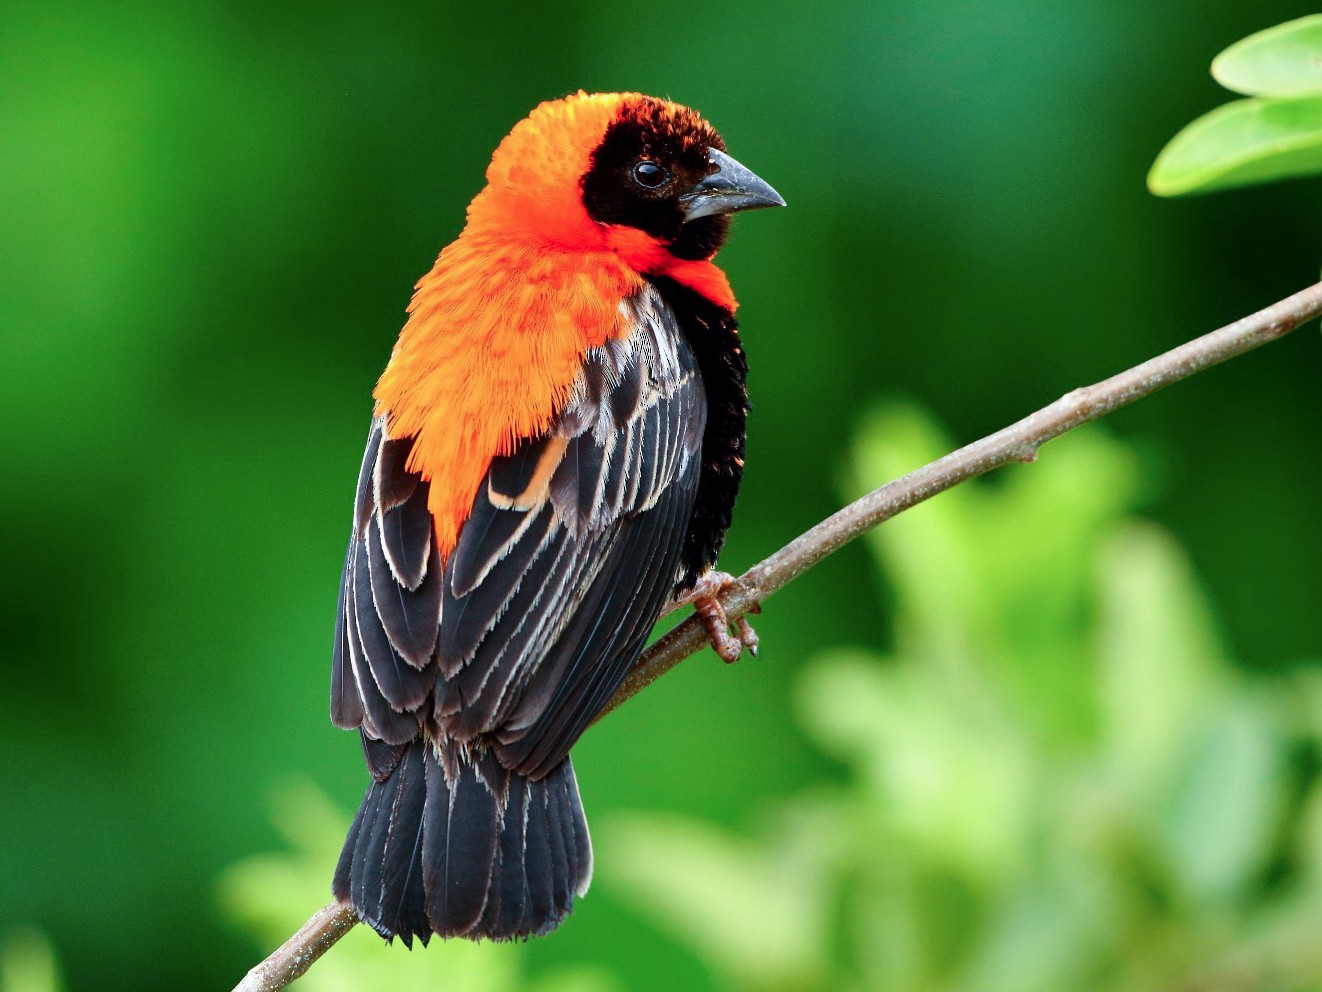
498	329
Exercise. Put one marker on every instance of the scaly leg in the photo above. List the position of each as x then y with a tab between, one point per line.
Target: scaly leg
703	597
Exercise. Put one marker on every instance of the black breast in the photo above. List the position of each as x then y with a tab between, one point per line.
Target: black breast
712	333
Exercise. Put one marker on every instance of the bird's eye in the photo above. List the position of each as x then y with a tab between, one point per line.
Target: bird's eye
649	175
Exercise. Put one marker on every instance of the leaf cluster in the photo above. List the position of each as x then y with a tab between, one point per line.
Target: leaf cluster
1274	134
1056	780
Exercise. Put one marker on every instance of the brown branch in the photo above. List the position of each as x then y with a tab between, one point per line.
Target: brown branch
296	955
1017	443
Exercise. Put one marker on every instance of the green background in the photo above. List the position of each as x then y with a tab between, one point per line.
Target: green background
213	217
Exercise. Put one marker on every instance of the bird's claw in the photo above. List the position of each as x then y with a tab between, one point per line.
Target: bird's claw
747	635
704	599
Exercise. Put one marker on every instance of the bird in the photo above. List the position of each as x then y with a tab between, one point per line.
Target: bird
555	450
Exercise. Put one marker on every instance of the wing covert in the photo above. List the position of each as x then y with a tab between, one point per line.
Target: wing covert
570	551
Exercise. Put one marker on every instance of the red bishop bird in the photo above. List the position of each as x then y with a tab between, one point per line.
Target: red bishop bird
556	448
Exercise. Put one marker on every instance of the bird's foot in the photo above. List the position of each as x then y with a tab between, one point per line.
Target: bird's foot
703	597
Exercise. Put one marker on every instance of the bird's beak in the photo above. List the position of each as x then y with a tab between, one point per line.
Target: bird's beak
731	187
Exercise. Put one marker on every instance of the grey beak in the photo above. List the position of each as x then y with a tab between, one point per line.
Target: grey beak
731	187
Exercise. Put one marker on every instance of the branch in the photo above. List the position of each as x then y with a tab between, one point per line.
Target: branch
296	955
1017	443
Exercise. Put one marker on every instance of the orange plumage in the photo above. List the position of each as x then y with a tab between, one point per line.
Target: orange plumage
556	450
498	328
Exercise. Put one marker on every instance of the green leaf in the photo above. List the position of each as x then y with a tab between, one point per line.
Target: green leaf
27	963
966	843
943	603
1285	60
940	758
1248	141
1222	816
756	910
1160	665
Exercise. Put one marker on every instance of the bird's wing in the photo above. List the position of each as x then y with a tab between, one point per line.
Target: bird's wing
570	552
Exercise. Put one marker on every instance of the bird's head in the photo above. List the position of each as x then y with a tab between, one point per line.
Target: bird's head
645	178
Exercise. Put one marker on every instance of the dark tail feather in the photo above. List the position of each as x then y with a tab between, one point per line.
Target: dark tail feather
456	845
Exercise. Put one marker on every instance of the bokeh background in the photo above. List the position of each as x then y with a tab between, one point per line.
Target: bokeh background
213	216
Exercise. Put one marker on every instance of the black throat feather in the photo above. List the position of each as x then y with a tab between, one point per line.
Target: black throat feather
712	332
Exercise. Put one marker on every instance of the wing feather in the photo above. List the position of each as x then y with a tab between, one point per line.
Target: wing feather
346	705
406	539
393	483
365	498
573	545
411	618
599	647
404	685
487	537
379	718
503	664
470	616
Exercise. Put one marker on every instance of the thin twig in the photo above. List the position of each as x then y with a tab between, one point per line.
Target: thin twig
296	955
1018	442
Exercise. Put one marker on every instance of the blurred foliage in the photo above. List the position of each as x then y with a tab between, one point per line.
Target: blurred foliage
213	215
1057	781
27	963
1276	135
272	895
